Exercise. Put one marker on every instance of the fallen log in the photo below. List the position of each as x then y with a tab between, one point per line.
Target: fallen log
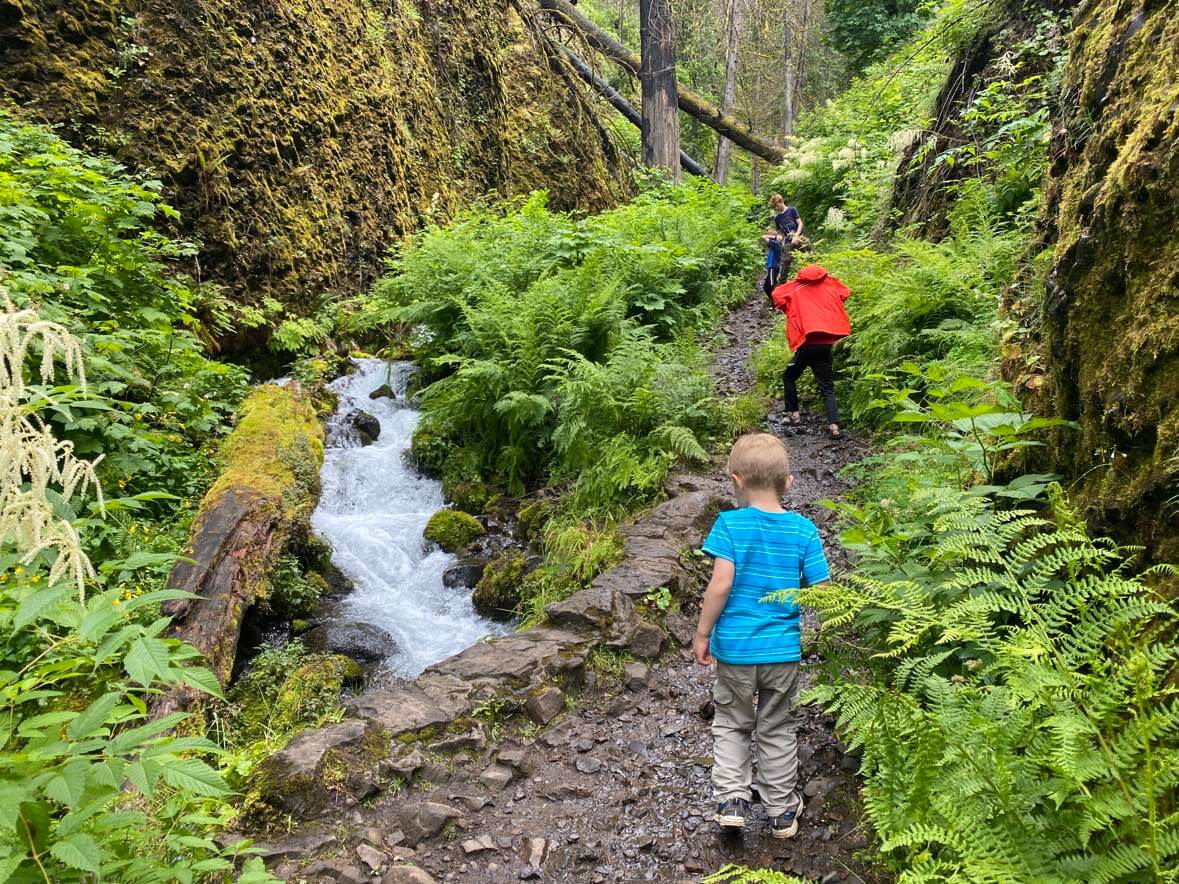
624	107
265	495
689	102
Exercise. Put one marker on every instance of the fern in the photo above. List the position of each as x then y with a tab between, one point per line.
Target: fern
1019	717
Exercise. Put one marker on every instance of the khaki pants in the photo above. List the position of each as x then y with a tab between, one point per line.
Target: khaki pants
772	718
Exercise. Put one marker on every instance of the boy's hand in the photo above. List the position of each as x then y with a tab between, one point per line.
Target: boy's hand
700	650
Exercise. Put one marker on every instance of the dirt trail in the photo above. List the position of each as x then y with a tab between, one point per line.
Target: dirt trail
618	788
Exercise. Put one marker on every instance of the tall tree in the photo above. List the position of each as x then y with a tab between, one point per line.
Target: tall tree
724	148
661	124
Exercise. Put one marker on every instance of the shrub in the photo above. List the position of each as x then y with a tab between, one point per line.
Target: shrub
452	529
566	337
1016	702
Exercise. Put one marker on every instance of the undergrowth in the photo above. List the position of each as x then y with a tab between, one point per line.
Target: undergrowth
570	353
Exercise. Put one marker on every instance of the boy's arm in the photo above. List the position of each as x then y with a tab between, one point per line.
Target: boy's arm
715	597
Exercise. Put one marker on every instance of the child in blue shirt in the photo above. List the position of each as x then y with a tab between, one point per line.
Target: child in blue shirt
773	241
757	550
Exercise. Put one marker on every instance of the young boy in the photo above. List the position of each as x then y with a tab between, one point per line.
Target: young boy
758	549
773	241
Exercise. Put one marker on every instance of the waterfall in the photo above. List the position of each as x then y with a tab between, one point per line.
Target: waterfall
373	510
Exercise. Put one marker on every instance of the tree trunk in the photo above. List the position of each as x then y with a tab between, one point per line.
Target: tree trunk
690	103
625	108
661	122
724	149
789	69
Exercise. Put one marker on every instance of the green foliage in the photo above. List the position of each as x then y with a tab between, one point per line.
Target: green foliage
576	550
862	30
732	874
78	243
94	787
284	691
293	593
1015	701
452	529
564	350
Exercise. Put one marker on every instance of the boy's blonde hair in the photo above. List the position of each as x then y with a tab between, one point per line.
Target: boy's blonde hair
761	460
777	200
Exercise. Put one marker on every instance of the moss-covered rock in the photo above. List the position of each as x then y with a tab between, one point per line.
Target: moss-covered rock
1103	330
497	594
452	529
471	496
300	139
429	450
534	515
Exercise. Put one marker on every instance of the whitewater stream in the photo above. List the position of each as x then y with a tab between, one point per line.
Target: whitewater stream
373	511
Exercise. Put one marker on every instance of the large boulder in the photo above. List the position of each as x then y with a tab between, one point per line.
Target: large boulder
596	609
292	779
363	642
366	427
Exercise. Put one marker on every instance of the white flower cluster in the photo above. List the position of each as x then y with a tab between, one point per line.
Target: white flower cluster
35	466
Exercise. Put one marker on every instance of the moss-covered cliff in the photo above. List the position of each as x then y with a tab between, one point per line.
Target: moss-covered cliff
1107	330
300	138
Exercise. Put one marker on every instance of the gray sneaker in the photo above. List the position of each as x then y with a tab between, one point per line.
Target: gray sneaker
785	825
731	813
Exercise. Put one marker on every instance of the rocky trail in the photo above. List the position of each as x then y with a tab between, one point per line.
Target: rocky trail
578	750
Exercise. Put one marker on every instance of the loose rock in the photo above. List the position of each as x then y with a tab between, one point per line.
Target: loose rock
546	705
425	819
363	642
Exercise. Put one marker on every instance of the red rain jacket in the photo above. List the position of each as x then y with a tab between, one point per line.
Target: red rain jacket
813	304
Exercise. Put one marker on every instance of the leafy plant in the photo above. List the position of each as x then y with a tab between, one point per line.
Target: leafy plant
77	673
1016	702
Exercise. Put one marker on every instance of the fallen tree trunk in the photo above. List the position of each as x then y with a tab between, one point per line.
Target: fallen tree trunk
265	495
624	107
689	102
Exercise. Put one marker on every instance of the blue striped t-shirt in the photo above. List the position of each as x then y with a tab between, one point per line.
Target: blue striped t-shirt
771	551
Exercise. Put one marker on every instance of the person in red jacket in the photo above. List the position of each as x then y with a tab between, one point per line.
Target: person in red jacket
815	320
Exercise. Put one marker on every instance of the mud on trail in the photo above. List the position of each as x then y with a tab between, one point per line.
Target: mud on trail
616	788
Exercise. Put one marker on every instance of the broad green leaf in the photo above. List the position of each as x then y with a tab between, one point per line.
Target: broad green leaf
94	717
126	741
78	851
147	661
69	784
194	775
37	601
202	679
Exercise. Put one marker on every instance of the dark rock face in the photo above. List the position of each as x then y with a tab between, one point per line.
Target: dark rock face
464	573
366	427
360	641
291	779
383	392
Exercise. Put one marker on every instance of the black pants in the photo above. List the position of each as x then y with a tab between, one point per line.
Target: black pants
818	358
770	283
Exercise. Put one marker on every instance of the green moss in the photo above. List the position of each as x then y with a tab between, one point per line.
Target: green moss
533	515
452	529
499	587
276	450
301	139
1102	345
471	496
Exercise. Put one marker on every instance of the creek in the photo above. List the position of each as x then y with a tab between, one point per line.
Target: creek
373	510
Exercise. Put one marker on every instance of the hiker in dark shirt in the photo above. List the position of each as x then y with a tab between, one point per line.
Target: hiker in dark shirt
789	223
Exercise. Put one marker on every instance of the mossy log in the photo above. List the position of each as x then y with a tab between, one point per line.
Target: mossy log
690	102
265	496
